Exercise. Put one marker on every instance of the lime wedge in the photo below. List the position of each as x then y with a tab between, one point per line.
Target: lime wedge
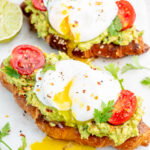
11	20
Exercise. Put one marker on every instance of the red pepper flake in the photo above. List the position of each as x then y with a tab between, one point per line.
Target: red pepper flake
40	78
84	91
52	84
70	7
99	83
96	97
73	25
49	110
22	135
88	108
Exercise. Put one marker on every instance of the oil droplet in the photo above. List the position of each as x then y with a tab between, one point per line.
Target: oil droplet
49	144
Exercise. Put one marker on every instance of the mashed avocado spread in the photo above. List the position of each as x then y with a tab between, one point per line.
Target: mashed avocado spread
43	27
119	134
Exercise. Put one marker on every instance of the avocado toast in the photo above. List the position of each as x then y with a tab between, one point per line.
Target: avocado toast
108	45
57	124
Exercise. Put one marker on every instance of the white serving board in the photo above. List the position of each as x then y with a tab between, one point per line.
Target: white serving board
131	80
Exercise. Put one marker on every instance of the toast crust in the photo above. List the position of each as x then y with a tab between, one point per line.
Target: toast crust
63	132
136	47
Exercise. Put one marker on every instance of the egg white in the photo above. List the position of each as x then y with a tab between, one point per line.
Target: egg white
87	90
87	18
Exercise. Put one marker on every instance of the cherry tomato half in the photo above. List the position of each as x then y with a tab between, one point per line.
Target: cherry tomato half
126	13
38	4
26	58
124	108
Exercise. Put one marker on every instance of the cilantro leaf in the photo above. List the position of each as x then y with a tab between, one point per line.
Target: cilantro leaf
11	72
115	27
114	69
106	113
24	144
48	67
146	81
134	65
4	132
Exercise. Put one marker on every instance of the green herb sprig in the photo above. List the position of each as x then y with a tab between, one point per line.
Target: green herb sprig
11	72
4	132
114	69
135	65
115	27
146	81
106	113
24	144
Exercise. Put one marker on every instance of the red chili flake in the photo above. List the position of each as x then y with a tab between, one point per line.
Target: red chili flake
99	83
40	78
22	135
70	7
84	91
48	110
73	26
88	108
52	84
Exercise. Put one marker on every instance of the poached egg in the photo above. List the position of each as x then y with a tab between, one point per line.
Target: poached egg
75	86
82	20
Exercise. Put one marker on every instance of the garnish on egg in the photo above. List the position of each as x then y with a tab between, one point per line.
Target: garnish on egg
88	108
105	114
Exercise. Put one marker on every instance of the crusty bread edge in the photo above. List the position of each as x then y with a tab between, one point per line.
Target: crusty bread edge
72	134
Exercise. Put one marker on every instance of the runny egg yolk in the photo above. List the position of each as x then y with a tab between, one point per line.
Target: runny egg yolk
51	144
62	98
65	28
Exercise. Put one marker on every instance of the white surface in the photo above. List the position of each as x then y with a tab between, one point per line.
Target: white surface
26	124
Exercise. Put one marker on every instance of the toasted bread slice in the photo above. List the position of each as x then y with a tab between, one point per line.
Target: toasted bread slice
63	132
136	47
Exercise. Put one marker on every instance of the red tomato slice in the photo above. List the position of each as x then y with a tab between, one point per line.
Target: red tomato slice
38	4
26	58
125	107
126	13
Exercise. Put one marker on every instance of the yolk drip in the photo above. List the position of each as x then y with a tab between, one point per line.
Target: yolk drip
51	144
62	98
64	26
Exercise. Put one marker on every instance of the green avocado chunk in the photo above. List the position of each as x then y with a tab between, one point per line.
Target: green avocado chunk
119	134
